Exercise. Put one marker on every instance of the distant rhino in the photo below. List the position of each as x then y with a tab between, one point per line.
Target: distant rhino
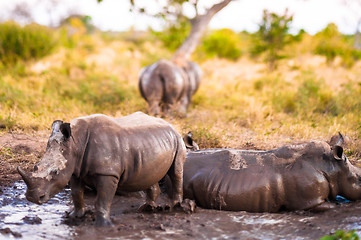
130	153
293	177
168	88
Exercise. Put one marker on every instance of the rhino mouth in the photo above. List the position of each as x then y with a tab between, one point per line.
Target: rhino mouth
37	198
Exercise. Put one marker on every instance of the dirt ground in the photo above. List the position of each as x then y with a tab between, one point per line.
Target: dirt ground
21	219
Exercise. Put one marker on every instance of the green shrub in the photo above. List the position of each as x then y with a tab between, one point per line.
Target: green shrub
331	43
222	43
342	235
312	96
24	43
272	37
173	36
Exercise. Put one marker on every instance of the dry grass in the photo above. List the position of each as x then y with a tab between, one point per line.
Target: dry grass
239	104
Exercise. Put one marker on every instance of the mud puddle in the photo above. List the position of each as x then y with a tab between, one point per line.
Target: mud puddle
20	219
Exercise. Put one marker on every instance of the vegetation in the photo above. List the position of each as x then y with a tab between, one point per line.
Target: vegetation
222	43
272	36
24	43
331	44
342	235
239	103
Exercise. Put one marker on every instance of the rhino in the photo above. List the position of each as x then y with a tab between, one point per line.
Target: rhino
125	154
293	177
168	88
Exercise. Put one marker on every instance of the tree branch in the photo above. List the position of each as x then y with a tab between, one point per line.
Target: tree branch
199	25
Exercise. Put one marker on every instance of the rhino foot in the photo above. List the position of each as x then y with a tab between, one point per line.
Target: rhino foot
148	207
103	222
187	206
77	213
323	207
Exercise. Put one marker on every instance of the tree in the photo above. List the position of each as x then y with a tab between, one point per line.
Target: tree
168	86
173	11
272	36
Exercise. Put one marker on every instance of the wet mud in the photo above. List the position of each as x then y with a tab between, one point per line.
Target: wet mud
20	219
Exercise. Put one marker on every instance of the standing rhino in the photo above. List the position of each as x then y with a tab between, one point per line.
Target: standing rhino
293	177
130	153
169	88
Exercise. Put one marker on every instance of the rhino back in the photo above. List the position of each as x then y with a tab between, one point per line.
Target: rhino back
162	79
137	149
255	181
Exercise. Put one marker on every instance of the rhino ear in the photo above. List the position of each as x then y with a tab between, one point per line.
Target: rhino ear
55	126
337	152
188	140
65	130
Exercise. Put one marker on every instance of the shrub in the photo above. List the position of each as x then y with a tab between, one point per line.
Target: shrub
342	235
24	43
331	43
173	36
272	37
222	43
312	96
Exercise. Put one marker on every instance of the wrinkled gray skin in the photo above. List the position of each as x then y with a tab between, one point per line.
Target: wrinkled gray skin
168	88
293	177
131	153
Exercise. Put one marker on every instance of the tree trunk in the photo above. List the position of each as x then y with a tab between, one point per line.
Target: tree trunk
199	25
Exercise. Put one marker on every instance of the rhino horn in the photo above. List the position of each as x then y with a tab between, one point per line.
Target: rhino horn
24	175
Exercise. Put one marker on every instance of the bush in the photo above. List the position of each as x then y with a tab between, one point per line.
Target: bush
222	43
273	36
312	97
173	36
24	43
342	235
331	43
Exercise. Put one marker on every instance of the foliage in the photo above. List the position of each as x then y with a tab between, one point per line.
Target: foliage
272	36
174	35
24	43
342	235
222	43
331	43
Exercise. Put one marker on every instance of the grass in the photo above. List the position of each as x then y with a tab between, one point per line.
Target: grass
240	104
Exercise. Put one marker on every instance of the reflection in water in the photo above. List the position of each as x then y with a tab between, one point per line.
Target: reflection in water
31	221
34	221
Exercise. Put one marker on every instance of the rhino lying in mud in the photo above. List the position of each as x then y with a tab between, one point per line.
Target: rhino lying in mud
130	153
168	88
293	177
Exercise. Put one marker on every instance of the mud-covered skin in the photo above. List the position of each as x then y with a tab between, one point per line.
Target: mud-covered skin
169	88
293	177
131	153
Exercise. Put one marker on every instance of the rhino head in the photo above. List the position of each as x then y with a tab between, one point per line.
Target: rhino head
54	170
348	183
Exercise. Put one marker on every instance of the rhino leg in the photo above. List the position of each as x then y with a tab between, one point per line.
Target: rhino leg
106	187
154	108
323	207
77	193
175	174
152	195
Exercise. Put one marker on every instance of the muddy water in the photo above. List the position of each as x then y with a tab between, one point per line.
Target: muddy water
20	219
